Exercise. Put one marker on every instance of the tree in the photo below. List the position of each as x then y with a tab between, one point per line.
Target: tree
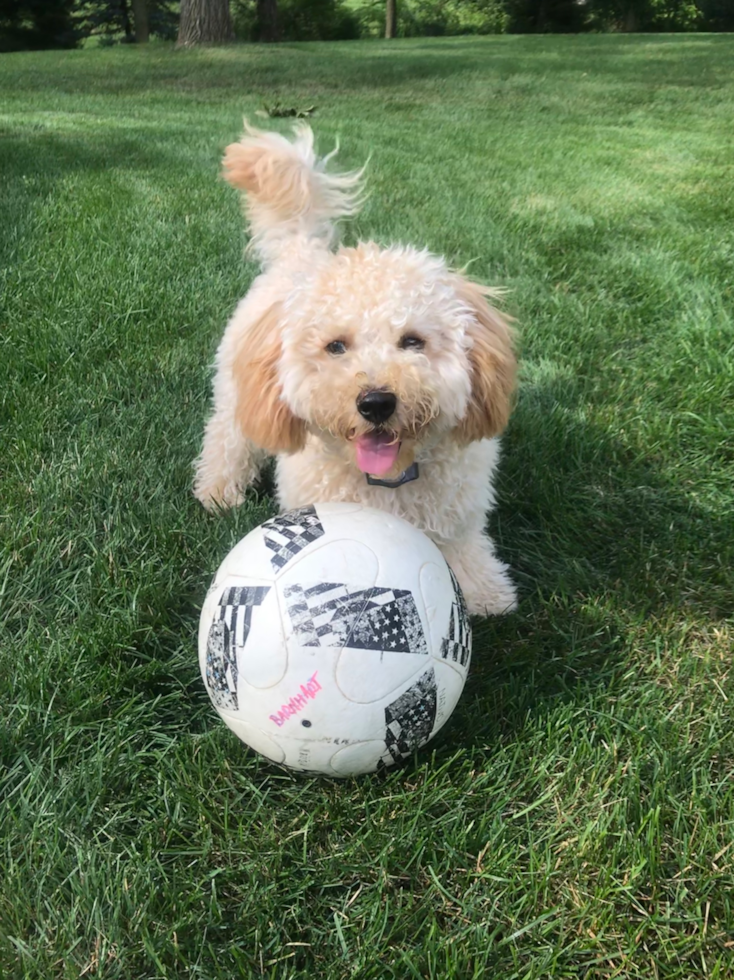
645	15
267	20
140	17
107	20
718	15
545	16
391	18
204	22
34	24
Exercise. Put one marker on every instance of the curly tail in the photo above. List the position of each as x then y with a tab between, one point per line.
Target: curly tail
287	190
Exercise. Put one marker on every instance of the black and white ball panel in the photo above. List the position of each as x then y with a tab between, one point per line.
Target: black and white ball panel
456	644
410	718
365	612
228	634
286	535
244	619
335	614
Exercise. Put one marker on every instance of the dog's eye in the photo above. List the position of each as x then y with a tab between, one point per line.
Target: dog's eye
336	347
411	342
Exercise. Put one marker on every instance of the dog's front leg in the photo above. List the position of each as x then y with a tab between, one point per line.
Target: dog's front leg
483	578
228	464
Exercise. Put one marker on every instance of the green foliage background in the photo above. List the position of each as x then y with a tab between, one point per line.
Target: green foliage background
33	24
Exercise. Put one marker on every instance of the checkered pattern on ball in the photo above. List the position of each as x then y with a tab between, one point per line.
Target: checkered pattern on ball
457	645
288	534
332	614
410	718
228	634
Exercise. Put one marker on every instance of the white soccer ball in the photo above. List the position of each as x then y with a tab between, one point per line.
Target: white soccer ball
335	639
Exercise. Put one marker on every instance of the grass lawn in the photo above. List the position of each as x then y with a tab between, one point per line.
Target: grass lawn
575	819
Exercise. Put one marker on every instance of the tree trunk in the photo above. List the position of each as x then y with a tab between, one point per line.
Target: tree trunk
126	25
391	18
541	18
267	16
140	16
631	22
204	22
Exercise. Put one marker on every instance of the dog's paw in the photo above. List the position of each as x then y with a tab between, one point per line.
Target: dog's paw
484	579
218	496
491	598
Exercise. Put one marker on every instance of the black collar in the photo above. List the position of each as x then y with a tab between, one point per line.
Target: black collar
407	476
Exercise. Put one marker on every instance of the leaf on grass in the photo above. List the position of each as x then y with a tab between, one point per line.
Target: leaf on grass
279	111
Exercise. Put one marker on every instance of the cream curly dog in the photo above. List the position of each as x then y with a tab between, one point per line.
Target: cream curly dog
376	375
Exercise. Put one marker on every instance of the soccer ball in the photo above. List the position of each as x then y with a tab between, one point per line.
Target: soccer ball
335	639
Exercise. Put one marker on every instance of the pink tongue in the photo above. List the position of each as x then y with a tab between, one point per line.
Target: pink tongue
377	452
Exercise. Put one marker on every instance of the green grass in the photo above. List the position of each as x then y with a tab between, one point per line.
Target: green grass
575	819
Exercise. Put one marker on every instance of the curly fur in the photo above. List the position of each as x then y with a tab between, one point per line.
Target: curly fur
322	326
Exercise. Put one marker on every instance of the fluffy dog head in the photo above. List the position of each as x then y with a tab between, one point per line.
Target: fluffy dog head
378	352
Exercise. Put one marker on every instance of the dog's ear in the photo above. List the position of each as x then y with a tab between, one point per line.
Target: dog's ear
493	365
262	414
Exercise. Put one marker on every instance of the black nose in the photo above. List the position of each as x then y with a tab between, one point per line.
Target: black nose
376	406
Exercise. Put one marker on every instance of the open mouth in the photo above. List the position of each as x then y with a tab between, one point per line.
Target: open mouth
377	452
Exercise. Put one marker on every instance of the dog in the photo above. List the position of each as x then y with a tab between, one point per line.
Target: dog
376	375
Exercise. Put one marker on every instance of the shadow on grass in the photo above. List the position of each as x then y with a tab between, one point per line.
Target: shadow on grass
601	543
35	160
